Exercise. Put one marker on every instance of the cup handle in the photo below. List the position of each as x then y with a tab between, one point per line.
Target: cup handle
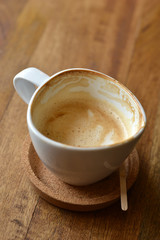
25	82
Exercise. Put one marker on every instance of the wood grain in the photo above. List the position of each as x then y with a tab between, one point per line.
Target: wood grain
119	38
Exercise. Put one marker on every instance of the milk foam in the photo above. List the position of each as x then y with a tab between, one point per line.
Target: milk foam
82	124
75	111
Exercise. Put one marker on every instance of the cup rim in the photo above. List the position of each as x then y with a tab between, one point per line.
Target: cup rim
62	145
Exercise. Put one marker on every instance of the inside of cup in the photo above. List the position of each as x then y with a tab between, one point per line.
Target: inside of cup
108	112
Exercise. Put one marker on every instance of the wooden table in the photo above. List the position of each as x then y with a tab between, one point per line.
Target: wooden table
119	38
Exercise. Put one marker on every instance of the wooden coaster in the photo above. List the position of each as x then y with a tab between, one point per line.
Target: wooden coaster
86	198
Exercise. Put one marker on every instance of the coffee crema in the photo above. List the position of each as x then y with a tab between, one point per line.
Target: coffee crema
79	110
83	124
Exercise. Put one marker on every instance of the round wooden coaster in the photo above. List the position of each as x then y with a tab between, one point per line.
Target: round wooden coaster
86	198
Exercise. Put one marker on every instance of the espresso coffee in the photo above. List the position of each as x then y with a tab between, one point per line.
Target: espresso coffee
75	111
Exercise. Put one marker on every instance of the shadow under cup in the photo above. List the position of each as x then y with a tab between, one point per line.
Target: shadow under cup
86	109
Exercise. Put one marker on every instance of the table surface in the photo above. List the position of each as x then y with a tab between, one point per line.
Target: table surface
119	38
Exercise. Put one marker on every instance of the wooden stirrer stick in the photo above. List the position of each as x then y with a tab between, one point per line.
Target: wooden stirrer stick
123	188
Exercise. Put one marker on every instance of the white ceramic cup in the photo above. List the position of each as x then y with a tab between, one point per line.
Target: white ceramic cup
81	165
